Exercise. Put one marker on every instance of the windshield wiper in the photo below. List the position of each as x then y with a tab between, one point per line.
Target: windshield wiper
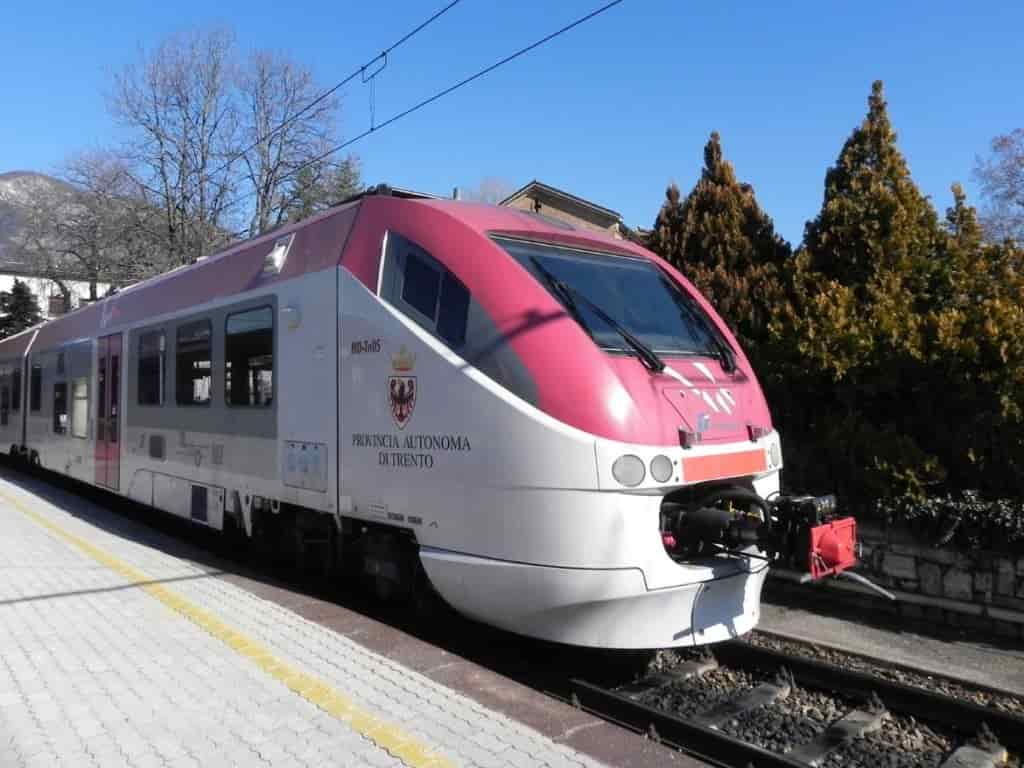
562	291
725	354
569	295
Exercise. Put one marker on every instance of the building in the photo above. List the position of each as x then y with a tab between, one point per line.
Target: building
54	297
556	203
56	292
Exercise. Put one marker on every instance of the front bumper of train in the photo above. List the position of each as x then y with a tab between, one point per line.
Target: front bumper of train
600	608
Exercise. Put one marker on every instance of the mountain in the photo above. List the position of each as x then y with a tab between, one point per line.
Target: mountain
19	190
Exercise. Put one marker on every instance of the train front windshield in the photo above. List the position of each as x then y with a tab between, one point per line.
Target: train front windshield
631	291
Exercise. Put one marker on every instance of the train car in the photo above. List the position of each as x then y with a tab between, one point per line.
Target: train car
548	426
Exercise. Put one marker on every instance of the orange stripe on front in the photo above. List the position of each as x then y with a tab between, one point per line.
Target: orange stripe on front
722	465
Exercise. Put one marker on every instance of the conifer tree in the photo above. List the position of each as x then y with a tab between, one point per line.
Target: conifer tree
870	272
873	215
725	244
18	308
871	263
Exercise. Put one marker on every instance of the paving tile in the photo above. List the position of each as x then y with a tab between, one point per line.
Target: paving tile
132	682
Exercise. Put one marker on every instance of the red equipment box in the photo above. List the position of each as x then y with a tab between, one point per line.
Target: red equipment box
833	547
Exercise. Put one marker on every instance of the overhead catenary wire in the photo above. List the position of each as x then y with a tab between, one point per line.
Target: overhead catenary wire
358	72
436	96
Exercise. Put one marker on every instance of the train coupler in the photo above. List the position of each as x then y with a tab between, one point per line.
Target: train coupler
817	541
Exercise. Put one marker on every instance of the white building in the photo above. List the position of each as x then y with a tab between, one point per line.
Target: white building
47	292
18	191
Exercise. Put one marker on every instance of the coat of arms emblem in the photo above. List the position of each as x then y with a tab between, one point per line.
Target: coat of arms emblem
402	387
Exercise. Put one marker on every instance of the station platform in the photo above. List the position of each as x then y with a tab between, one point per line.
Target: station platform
118	652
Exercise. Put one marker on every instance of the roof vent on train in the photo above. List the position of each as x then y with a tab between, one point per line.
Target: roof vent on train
274	261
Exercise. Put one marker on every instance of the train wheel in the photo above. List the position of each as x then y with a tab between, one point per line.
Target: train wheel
389	565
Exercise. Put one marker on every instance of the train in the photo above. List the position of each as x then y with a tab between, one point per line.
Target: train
546	426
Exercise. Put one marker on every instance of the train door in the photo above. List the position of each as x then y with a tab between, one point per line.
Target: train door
108	409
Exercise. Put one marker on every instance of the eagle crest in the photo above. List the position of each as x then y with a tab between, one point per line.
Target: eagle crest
402	396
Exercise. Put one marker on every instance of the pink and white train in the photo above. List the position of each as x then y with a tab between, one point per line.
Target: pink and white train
548	426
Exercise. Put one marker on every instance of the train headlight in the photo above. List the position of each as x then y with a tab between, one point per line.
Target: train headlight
661	468
774	455
629	470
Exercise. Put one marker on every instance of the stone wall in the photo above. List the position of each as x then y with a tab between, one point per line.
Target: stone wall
976	591
894	559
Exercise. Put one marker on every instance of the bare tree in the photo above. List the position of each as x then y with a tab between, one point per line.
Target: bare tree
1002	183
284	133
94	227
211	145
36	242
224	148
179	105
491	190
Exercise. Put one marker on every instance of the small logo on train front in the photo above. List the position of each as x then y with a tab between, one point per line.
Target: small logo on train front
402	387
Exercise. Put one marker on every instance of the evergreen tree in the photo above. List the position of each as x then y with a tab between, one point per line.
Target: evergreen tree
317	187
873	215
976	335
908	333
871	269
872	261
725	245
18	308
962	221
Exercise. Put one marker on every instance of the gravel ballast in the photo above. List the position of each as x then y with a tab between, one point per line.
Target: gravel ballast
954	689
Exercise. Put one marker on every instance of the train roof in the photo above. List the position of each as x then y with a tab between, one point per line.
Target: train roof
311	245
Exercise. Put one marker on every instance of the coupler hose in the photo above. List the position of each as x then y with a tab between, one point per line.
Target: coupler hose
703	527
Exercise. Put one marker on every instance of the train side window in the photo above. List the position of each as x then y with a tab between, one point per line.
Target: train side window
249	357
416	280
5	403
152	360
453	311
16	391
80	407
35	387
421	285
60	407
193	363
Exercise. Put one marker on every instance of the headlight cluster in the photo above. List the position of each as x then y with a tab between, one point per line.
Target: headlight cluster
661	468
630	471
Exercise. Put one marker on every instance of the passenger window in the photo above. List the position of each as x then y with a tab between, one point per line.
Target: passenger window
249	358
60	407
416	279
421	285
80	408
193	363
35	387
152	356
5	404
16	391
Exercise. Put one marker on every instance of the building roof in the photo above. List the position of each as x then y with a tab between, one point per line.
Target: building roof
536	188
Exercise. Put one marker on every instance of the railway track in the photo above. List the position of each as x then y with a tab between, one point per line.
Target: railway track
753	706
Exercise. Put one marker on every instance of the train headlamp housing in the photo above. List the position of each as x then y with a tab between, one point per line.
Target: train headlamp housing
629	470
661	468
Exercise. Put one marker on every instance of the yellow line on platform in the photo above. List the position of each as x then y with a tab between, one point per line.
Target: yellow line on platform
385	735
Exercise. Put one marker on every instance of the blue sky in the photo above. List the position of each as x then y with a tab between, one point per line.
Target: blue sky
612	111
